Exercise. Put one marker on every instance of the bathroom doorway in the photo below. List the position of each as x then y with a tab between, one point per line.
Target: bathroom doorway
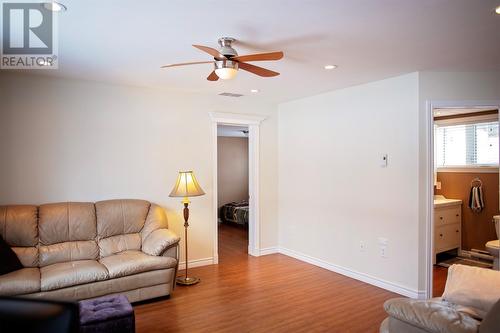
465	196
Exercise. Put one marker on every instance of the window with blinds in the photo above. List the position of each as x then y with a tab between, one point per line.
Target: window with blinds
467	144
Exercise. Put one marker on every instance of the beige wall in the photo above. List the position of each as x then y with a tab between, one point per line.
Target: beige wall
333	192
232	172
64	139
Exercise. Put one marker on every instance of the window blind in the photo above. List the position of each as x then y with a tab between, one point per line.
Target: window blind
467	144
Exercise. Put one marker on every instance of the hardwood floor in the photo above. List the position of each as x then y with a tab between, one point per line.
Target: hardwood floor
438	280
272	293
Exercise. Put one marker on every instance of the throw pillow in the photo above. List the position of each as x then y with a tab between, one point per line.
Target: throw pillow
478	288
8	258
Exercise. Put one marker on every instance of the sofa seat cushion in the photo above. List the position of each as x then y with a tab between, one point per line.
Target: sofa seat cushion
133	262
431	315
20	282
71	273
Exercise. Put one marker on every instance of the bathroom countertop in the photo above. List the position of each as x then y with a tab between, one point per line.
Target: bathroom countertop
441	201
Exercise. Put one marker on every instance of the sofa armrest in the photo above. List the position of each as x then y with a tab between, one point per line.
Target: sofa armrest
431	315
158	241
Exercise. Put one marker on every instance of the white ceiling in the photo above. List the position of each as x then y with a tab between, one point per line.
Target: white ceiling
126	41
232	131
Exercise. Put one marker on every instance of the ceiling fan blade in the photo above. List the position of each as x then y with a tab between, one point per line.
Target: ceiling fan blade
257	70
260	56
213	52
212	77
187	63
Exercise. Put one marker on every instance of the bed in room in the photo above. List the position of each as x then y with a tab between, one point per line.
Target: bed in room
235	212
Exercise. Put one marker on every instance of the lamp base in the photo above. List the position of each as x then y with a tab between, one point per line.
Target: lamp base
187	281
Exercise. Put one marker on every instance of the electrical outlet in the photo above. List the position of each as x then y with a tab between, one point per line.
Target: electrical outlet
438	185
383	244
383	241
362	246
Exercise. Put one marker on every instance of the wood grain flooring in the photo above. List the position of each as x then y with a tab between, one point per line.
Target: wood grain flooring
273	293
439	276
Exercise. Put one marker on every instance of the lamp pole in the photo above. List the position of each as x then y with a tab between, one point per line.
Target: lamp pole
186	225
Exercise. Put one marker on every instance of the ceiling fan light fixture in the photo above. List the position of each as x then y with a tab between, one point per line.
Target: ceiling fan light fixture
329	67
226	69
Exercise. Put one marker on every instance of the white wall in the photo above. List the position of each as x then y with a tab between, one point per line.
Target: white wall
445	86
86	141
333	194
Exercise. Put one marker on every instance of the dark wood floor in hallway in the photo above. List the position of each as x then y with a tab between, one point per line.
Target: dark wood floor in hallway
273	293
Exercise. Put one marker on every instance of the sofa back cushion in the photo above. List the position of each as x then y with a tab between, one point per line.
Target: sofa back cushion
19	228
473	287
68	232
119	223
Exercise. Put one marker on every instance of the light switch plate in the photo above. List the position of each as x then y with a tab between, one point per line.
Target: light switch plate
383	161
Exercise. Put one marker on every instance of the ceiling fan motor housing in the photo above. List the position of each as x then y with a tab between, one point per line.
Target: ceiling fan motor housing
219	64
226	48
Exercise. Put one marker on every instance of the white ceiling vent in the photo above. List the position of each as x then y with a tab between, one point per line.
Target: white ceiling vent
230	94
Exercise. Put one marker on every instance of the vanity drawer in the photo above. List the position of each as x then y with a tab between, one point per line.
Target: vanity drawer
447	237
447	215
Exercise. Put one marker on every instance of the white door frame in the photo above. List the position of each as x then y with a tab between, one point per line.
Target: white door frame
253	123
429	240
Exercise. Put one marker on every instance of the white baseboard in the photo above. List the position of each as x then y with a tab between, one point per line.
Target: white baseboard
253	252
198	263
384	284
269	250
394	287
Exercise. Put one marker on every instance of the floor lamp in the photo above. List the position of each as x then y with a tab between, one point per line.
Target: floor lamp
186	186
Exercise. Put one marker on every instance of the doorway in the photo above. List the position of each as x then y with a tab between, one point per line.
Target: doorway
252	124
464	188
232	191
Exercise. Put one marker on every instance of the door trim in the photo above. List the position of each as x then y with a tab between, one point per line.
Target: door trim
430	105
253	123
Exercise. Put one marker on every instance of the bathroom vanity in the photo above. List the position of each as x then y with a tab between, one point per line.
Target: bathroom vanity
447	225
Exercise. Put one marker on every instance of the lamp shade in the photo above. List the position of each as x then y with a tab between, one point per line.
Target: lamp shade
186	185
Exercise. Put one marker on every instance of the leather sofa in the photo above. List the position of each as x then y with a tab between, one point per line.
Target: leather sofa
436	316
76	250
470	304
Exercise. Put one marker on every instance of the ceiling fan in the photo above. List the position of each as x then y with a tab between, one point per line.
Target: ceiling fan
227	61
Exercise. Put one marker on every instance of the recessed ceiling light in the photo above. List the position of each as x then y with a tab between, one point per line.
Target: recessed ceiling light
497	10
254	90
330	66
55	6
